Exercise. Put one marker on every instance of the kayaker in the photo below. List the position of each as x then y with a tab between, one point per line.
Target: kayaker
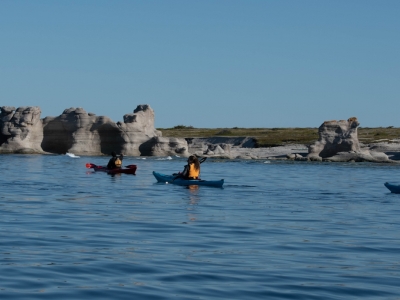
115	161
192	169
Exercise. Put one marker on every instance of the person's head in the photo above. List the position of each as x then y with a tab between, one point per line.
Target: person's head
193	160
117	159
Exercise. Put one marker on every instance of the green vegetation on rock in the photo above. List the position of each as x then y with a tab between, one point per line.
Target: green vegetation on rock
271	137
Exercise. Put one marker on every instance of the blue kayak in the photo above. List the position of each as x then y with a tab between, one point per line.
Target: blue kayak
394	188
180	181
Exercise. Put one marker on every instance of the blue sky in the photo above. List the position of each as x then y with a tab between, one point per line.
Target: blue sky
205	63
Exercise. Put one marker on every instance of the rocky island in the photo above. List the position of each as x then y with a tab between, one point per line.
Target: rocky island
82	133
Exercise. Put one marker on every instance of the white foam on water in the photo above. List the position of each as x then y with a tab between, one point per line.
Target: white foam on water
72	155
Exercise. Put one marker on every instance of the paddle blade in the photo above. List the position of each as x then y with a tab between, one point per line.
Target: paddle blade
90	166
202	160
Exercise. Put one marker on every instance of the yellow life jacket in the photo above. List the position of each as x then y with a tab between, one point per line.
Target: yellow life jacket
193	173
118	162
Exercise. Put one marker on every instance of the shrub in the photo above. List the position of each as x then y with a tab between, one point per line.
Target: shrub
224	132
183	127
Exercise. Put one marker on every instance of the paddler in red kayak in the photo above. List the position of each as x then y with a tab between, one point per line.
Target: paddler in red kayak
115	161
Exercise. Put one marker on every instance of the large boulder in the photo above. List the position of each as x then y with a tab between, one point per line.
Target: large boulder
165	146
338	142
335	137
391	149
21	130
360	156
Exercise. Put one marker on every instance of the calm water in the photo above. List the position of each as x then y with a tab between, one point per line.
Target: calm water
278	230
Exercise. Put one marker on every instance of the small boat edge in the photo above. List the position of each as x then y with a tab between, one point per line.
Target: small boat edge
394	188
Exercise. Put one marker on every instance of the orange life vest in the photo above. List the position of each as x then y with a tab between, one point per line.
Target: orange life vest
193	173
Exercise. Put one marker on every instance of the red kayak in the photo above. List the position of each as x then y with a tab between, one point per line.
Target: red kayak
130	169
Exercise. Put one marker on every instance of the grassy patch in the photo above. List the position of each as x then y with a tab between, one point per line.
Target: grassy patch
370	135
270	137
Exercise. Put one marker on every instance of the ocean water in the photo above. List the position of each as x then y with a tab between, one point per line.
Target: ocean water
277	230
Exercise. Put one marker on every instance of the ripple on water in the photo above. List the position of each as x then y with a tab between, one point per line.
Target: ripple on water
277	231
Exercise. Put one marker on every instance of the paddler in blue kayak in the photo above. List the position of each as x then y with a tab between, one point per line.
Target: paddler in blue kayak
192	169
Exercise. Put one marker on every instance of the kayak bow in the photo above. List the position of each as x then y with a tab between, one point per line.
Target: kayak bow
394	188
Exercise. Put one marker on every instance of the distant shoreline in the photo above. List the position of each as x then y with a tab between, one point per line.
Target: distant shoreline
274	137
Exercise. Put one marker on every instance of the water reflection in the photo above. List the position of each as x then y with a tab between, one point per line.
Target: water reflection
116	175
193	187
193	202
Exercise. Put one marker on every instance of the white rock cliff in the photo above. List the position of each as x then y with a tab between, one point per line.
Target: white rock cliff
76	131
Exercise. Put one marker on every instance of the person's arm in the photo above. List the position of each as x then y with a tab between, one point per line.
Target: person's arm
109	165
183	174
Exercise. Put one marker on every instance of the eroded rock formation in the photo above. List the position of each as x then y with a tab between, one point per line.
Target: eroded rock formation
162	146
137	128
226	147
338	141
21	130
334	137
82	133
